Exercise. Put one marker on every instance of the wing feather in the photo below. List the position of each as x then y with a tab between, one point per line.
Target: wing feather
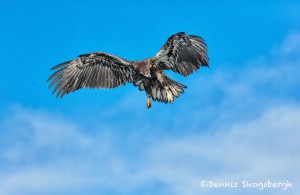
91	70
183	54
105	77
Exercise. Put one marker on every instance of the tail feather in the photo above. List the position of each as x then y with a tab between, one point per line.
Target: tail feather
159	93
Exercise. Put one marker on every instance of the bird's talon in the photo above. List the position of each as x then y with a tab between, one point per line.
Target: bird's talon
148	103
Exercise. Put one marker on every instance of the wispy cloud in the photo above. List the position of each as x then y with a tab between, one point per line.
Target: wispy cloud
291	45
256	150
245	127
266	147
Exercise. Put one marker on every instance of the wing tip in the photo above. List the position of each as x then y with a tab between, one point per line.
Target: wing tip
61	64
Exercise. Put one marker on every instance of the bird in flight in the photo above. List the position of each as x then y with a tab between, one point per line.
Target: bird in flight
182	53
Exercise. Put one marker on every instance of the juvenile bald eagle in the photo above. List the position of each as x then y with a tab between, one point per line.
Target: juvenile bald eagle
181	53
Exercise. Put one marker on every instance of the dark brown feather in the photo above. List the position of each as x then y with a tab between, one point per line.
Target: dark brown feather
183	54
99	70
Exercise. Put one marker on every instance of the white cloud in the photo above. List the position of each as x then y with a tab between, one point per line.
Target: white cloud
291	45
263	148
266	147
253	135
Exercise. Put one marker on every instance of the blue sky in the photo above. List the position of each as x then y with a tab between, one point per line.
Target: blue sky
238	120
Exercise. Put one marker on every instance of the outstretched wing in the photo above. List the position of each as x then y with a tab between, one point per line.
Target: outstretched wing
92	70
182	53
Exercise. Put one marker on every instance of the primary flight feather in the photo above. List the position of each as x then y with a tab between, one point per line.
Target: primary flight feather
181	53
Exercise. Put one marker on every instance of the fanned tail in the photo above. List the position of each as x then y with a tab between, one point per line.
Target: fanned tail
160	93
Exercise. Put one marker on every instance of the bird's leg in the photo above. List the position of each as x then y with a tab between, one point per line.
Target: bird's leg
148	102
148	93
161	77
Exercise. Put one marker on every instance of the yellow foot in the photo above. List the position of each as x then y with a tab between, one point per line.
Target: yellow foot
148	103
170	96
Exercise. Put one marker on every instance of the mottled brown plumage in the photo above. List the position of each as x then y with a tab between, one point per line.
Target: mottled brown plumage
181	53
